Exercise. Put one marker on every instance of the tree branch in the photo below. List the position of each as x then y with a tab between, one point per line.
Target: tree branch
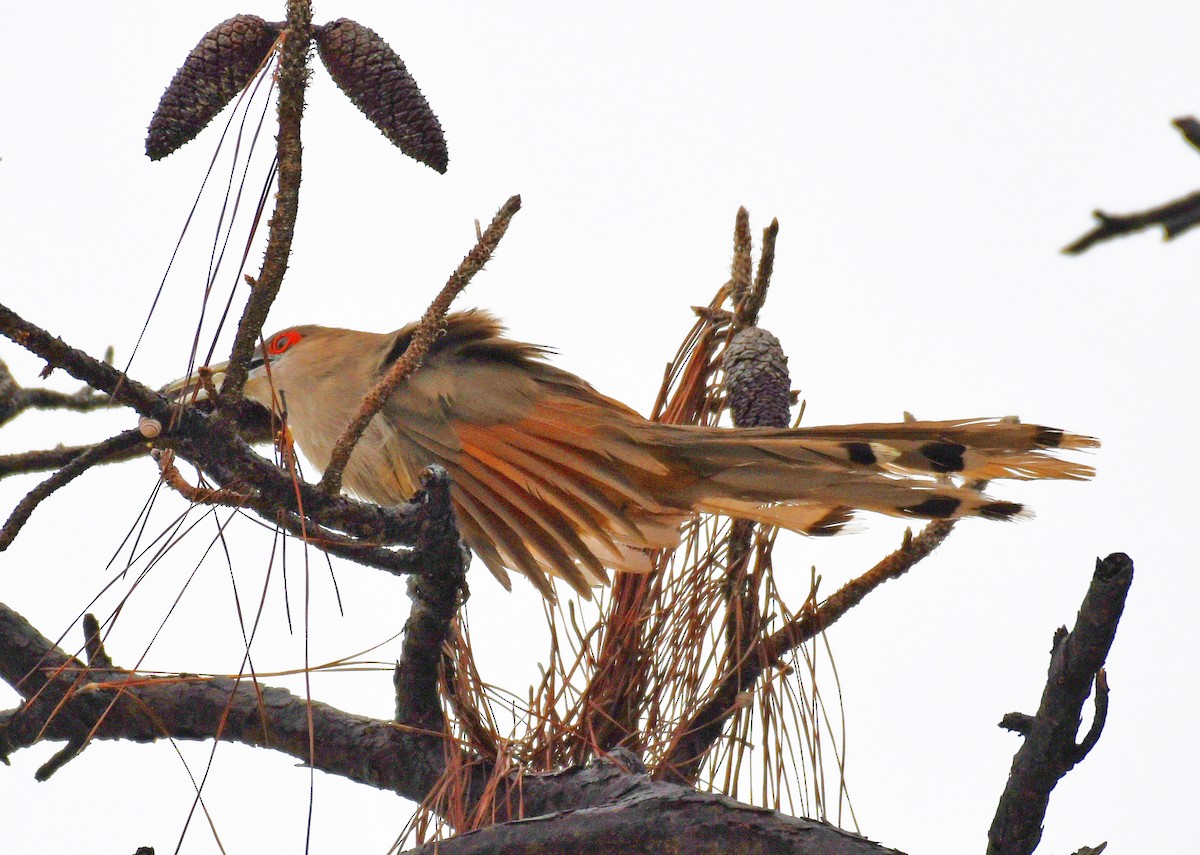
44	460
15	399
437	593
427	331
216	448
649	816
1175	217
292	76
65	700
78	465
1049	751
811	623
609	800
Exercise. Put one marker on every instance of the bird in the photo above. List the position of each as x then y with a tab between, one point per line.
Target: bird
551	478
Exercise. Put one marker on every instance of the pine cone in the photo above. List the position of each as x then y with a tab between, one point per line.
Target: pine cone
216	70
756	378
375	79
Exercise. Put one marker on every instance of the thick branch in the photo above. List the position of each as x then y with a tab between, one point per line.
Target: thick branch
215	446
436	592
1050	751
648	816
65	701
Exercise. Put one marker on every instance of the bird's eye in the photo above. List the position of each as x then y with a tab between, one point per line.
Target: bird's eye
282	342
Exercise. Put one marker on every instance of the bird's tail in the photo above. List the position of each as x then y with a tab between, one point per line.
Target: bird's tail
582	484
811	480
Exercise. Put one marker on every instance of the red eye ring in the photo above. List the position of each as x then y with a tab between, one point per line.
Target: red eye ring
282	342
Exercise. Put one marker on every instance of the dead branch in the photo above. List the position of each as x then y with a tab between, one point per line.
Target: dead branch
1050	751
76	467
215	446
48	459
16	399
65	700
1175	217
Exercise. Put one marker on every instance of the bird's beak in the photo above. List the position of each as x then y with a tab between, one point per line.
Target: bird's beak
193	387
193	384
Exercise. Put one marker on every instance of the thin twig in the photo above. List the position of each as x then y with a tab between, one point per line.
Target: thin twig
1190	128
16	399
1175	217
45	460
809	624
85	461
740	273
174	479
751	305
97	657
427	331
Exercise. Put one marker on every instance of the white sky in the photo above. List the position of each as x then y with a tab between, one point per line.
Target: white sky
926	163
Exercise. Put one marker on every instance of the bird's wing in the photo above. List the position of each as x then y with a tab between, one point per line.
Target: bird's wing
535	485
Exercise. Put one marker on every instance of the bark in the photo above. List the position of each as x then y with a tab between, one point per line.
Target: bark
1174	217
610	805
1050	751
659	817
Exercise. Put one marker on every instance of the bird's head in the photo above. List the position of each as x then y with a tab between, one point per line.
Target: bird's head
293	358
